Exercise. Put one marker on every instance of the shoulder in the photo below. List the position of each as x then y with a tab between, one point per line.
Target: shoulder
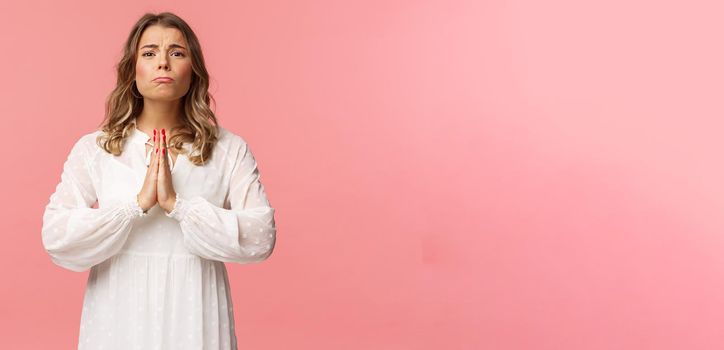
230	141
85	147
235	149
86	143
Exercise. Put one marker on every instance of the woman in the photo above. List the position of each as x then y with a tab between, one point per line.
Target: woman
177	197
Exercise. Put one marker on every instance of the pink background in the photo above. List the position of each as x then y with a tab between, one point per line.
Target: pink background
446	174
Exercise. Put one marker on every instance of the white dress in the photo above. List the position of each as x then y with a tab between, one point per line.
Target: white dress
158	280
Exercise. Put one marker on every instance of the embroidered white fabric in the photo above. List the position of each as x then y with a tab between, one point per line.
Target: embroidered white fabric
158	281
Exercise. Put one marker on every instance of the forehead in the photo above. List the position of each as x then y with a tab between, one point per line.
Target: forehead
161	36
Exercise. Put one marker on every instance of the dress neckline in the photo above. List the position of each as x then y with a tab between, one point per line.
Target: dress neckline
141	137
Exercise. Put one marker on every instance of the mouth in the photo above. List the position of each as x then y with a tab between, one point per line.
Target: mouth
163	80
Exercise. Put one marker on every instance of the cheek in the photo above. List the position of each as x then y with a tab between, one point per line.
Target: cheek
142	71
185	71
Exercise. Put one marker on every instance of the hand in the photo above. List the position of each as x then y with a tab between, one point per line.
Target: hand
147	197
166	196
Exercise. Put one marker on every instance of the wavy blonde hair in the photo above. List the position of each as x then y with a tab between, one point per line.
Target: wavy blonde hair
199	124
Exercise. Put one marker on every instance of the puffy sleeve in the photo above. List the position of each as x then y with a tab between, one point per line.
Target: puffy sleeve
75	235
245	232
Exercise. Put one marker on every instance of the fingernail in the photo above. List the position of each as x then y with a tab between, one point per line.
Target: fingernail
164	151
156	150
163	131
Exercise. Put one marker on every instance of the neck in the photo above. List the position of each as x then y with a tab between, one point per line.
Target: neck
158	115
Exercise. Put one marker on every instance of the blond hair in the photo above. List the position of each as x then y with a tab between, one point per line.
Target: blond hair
199	124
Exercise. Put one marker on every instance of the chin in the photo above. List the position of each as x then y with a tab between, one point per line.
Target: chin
163	98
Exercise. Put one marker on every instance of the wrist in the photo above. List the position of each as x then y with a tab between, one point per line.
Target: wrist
171	203
138	201
179	209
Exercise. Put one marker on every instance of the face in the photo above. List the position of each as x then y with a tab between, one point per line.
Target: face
163	52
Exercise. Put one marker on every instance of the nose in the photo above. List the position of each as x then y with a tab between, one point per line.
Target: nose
163	62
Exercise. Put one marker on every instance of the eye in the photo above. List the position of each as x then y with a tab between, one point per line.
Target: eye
181	53
144	54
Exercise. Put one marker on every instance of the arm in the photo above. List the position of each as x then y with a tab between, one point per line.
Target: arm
245	233
75	235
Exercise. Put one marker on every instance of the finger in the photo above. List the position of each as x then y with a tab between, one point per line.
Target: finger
154	159
156	141
162	151
165	151
163	138
149	153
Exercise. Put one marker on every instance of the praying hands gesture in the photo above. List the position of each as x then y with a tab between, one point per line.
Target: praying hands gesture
158	187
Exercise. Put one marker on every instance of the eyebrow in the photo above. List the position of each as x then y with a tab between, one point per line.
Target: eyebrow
155	46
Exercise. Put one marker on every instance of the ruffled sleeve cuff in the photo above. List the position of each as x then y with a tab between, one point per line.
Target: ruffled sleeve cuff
132	210
180	209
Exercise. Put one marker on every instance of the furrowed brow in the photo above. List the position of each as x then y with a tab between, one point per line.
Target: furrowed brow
155	46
